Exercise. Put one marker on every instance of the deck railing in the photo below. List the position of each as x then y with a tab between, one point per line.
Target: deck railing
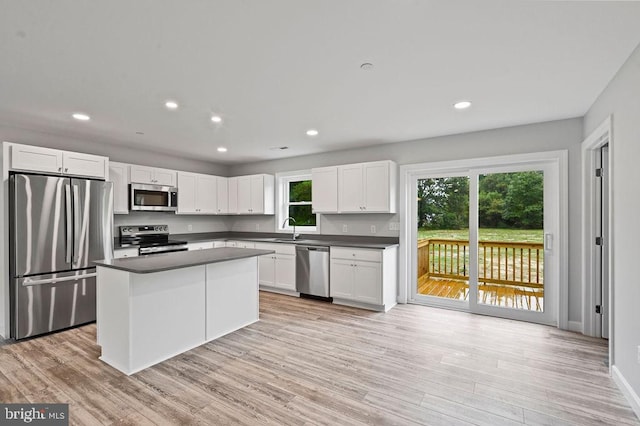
499	262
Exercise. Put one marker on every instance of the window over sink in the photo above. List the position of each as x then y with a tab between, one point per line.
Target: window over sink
294	196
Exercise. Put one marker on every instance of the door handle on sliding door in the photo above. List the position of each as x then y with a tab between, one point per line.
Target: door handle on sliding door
68	250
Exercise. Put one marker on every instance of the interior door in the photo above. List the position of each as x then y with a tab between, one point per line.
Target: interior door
92	221
40	232
602	232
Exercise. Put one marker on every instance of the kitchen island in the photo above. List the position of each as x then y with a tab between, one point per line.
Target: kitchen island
151	308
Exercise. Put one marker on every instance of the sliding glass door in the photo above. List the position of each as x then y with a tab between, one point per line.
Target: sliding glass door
484	240
442	207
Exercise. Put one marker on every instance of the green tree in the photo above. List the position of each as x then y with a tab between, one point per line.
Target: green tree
524	203
443	203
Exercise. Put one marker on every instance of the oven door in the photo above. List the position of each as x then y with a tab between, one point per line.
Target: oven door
152	197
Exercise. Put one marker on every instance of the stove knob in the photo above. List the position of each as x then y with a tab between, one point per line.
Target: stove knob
165	228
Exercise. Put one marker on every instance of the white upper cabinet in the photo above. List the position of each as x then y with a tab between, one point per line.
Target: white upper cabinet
75	163
232	186
119	175
47	160
153	175
324	189
252	194
367	187
222	195
207	198
197	193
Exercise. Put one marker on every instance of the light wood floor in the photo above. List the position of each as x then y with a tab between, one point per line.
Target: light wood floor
308	362
528	299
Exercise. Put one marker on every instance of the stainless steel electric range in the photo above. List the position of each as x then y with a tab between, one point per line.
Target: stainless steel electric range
150	239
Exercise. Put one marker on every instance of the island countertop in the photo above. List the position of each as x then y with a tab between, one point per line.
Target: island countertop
181	259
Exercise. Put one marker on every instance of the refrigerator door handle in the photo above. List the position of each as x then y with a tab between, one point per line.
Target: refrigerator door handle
28	282
76	225
68	245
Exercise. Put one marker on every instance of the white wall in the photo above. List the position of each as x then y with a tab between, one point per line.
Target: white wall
550	136
621	100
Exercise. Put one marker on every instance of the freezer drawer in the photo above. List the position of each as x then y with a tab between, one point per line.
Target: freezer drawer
51	302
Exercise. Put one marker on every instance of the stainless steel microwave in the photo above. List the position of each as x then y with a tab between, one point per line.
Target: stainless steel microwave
145	197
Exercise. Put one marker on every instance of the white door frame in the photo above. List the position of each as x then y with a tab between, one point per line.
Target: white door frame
407	199
589	149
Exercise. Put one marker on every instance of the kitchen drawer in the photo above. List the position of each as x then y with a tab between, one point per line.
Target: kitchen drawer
126	252
277	247
368	255
200	246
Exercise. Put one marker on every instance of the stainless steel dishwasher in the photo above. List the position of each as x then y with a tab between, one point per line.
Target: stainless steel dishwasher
312	271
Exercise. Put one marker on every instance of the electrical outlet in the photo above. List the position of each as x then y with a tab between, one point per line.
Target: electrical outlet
257	226
345	228
373	229
394	226
189	227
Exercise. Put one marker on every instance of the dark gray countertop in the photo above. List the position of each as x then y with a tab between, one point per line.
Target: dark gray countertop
272	237
181	259
304	239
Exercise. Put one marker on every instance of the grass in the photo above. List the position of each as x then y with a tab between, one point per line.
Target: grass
486	234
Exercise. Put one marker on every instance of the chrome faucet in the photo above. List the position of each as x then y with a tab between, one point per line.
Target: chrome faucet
290	219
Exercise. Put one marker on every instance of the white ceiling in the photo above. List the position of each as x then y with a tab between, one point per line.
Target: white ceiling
273	69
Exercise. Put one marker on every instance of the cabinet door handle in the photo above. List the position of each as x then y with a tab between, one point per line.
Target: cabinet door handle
66	169
59	169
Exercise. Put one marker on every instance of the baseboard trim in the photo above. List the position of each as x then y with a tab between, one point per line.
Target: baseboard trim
627	390
575	326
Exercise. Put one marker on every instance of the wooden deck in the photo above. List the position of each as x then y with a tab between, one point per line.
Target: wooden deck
530	299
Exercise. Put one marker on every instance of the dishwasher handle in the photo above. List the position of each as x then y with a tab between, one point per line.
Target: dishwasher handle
312	248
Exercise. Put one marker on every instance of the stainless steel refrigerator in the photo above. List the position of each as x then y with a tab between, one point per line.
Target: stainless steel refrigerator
58	226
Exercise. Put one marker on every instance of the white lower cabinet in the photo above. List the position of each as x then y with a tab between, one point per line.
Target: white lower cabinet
240	244
200	245
277	270
125	252
364	277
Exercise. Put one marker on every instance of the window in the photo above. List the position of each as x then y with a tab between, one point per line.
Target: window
295	202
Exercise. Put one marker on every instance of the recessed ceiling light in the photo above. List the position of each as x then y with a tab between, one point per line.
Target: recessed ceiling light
80	116
222	149
171	104
312	132
216	119
462	105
